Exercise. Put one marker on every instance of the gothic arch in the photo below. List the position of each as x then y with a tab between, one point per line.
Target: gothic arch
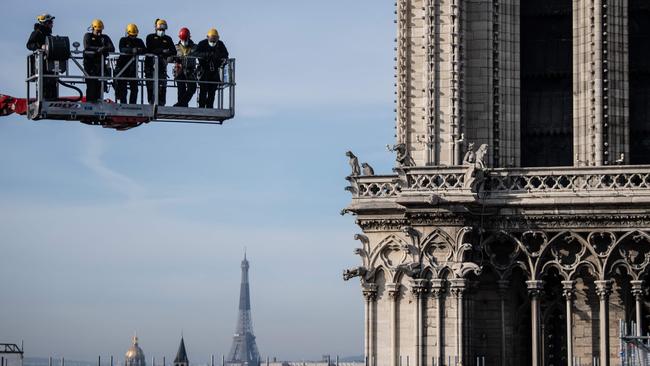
626	257
389	254
518	257
437	254
566	251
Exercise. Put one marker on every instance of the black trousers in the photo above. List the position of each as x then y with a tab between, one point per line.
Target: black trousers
93	86
207	91
122	86
162	88
186	90
50	87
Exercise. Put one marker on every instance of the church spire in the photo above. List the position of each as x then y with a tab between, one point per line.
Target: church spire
181	355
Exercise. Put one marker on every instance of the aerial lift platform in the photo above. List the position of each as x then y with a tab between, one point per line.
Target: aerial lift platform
63	65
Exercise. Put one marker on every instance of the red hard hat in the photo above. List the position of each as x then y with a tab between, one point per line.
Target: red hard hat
184	34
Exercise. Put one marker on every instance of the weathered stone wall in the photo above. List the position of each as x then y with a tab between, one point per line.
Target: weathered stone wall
482	284
458	72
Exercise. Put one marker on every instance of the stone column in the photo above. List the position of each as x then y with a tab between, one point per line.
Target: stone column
366	332
637	291
503	287
534	291
458	286
437	289
370	294
419	290
568	291
603	289
600	83
393	294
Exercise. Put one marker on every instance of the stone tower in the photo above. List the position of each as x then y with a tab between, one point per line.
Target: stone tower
516	224
243	351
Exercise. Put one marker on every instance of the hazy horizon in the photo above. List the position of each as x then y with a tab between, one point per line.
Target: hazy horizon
105	233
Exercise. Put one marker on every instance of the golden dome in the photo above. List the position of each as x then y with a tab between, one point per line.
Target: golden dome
134	355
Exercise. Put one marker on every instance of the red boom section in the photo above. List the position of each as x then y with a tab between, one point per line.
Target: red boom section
9	105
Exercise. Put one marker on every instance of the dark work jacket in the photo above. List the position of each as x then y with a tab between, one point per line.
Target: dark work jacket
210	59
188	64
38	37
161	46
92	45
131	46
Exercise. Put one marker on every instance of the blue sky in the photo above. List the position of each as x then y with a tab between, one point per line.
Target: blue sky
104	233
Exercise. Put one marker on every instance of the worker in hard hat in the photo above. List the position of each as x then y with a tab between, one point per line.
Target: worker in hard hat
36	42
130	46
185	68
212	54
161	45
97	47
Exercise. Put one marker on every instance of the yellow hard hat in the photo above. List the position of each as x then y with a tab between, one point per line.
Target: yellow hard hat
97	24
161	24
213	33
44	18
132	29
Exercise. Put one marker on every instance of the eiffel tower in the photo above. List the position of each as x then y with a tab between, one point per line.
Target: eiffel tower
244	349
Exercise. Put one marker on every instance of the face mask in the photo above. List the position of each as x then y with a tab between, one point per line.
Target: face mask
160	33
212	44
184	43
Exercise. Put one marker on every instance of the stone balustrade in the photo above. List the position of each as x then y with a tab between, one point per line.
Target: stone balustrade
506	180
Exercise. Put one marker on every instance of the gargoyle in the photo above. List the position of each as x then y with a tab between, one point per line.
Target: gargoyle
354	164
362	238
481	156
367	169
476	166
354	272
411	269
410	232
403	158
470	155
360	252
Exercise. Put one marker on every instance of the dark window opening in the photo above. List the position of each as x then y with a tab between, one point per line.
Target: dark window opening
546	83
639	64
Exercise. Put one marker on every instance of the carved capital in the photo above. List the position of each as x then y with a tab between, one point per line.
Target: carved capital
437	288
637	289
369	291
603	289
535	288
458	286
419	287
569	290
393	290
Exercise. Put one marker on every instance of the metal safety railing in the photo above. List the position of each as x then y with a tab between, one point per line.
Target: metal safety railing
634	348
476	360
72	74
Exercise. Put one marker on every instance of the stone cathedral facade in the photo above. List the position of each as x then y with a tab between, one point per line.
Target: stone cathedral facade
516	223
